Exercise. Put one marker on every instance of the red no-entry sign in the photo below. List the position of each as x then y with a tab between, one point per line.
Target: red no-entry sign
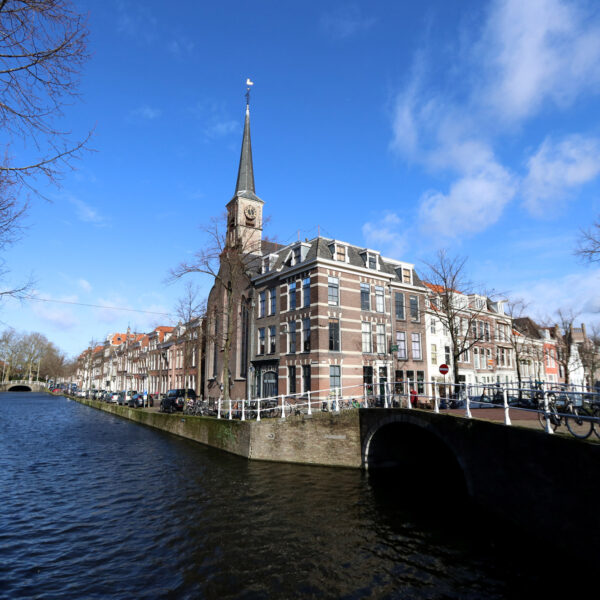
444	369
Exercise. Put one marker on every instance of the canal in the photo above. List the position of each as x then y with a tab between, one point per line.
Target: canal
94	506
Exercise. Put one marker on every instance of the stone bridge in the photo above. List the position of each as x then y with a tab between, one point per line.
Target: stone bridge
549	484
22	386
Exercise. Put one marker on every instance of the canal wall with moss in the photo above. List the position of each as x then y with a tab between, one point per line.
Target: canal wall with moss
319	439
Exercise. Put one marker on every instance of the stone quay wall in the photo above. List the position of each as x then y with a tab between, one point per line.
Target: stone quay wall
321	439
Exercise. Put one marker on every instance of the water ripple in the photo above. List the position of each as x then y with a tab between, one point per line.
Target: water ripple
97	507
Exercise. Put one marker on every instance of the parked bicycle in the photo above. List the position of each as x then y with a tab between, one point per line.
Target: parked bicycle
562	409
596	415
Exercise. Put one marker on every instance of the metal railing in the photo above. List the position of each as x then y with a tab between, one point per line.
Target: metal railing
541	398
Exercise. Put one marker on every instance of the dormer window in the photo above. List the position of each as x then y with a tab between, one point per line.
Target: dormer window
406	275
266	266
297	255
371	260
338	251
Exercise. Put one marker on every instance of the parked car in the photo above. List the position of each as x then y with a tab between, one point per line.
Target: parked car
175	399
137	401
121	399
112	397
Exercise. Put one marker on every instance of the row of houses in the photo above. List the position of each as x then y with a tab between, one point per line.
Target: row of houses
325	314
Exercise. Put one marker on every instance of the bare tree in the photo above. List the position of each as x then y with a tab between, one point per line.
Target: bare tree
42	50
190	309
565	342
589	353
29	355
451	303
523	336
589	243
227	262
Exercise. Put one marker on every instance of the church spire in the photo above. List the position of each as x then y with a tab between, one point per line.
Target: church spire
245	180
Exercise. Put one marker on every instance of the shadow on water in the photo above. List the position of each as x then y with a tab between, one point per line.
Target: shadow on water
417	482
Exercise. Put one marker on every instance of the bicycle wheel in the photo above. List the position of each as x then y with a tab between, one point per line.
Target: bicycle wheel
596	423
578	426
542	416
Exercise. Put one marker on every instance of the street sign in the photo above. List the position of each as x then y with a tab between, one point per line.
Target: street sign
444	369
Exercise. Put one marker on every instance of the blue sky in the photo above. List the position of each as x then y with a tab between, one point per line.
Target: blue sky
405	127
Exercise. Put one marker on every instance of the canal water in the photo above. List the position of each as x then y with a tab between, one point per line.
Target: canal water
94	506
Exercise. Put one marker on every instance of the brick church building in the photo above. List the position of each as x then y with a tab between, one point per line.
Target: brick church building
315	315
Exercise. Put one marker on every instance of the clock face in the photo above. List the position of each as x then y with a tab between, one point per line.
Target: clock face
250	212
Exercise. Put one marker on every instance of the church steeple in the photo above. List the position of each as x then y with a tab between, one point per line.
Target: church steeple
244	210
245	179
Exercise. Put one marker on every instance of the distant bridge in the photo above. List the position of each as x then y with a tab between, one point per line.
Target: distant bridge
23	385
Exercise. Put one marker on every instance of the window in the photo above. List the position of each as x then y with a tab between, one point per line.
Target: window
420	382
340	253
306	335
292	379
262	300
273	300
306	378
367	343
365	296
405	275
334	335
380	338
272	339
261	340
414	307
416	346
434	354
335	377
297	255
292	295
399	382
447	355
487	331
306	292
480	337
333	291
464	356
432	325
489	358
476	357
292	337
266	265
379	299
401	343
368	379
371	261
399	304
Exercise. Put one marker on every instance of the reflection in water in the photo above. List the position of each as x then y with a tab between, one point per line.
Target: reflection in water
98	507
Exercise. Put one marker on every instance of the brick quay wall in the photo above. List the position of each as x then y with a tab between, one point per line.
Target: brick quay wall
321	439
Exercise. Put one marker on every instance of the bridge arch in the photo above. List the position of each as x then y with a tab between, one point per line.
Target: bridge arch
421	457
19	388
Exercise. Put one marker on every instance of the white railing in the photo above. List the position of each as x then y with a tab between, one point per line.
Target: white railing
427	395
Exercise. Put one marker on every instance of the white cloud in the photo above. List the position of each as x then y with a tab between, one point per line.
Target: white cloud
85	285
474	202
346	21
181	45
538	50
557	168
146	112
221	128
60	316
85	212
386	235
525	54
577	291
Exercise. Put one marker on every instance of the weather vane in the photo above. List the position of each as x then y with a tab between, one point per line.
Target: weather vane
248	83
